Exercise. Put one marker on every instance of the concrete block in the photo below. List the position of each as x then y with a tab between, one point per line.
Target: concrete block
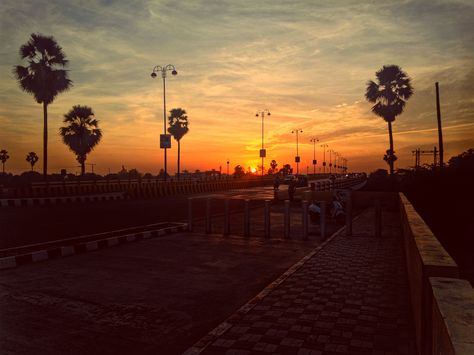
7	263
39	256
67	250
112	241
90	246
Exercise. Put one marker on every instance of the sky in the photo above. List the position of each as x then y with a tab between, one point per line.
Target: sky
308	62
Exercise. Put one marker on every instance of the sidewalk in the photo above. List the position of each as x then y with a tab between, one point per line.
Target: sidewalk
349	298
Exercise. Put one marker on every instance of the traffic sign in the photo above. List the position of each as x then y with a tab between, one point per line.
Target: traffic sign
165	141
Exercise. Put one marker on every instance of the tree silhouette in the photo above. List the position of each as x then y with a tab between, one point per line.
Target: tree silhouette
3	158
32	158
178	127
44	77
273	166
239	171
390	94
81	134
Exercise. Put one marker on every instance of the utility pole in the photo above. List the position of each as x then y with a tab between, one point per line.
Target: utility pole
440	130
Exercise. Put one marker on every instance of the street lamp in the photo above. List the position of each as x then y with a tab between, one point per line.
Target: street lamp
228	162
324	146
314	140
297	158
165	139
330	151
263	152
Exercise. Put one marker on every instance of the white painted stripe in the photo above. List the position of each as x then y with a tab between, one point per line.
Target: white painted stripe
7	263
67	250
39	256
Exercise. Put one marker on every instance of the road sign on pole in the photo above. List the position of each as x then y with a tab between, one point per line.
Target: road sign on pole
165	141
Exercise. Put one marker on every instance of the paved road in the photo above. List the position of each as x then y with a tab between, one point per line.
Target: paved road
157	296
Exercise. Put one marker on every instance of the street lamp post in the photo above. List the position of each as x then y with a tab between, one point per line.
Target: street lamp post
228	162
165	139
314	140
324	146
263	152
330	160
297	158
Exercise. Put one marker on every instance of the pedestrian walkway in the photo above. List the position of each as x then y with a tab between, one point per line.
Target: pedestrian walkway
351	297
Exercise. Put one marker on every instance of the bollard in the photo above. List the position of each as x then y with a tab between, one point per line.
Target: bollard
378	219
247	218
287	220
226	217
208	215
349	215
190	214
304	219
322	219
267	219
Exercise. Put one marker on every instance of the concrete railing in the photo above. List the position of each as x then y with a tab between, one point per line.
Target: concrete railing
452	316
427	261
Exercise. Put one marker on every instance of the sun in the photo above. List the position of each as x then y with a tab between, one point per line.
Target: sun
253	169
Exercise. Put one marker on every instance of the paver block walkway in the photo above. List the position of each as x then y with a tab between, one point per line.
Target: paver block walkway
349	298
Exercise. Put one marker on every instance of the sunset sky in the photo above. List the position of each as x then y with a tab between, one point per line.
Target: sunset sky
308	62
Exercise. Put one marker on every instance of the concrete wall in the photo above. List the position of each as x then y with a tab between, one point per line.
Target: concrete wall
452	316
425	258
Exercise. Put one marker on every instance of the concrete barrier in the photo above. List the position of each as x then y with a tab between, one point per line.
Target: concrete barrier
452	316
425	258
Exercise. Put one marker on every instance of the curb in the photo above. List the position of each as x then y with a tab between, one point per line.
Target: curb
210	337
39	201
85	247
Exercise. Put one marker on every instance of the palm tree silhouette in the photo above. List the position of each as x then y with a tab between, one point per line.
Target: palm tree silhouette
44	77
178	127
32	158
81	134
3	158
389	93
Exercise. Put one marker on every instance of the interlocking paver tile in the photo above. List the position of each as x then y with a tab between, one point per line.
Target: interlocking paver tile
349	298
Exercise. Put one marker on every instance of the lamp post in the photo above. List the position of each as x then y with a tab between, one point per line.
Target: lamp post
297	158
263	152
330	160
324	146
165	139
314	140
228	162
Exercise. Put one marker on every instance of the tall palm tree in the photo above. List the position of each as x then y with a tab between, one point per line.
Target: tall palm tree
3	158
178	127
390	94
32	158
44	77
81	134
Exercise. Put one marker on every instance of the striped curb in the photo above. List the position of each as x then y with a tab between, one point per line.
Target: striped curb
210	337
84	247
39	201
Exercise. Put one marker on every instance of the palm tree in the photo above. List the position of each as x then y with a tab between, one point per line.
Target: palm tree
3	158
178	127
32	158
390	94
44	77
81	134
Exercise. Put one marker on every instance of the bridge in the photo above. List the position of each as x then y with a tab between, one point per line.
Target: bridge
237	271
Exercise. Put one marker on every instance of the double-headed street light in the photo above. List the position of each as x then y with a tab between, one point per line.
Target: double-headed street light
314	140
263	152
297	158
165	139
324	146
